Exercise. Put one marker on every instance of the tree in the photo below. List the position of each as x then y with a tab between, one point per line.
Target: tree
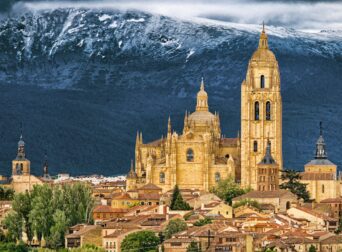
40	216
14	223
248	202
174	226
140	241
49	211
193	247
227	189
203	222
177	202
22	206
312	248
57	231
6	193
292	183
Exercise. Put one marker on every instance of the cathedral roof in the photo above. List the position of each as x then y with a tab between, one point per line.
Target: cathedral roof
263	53
229	142
201	117
155	143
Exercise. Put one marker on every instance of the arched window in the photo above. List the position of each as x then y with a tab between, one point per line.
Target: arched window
190	155
256	111
217	176
268	111
226	156
322	188
262	81
255	146
162	177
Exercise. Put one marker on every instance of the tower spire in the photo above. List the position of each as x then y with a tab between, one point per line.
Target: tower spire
202	98
169	125
263	41
46	166
321	152
268	159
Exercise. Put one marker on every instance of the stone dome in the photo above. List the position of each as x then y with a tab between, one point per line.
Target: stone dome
263	55
201	117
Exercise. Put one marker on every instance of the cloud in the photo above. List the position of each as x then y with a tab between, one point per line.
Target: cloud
305	15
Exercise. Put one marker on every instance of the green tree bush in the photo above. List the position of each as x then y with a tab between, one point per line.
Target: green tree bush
6	193
292	183
193	247
49	211
248	202
202	222
177	202
227	189
140	241
174	226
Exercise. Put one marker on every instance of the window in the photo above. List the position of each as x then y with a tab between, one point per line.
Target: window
256	111
255	146
227	156
322	188
217	176
190	155
162	177
268	111
262	81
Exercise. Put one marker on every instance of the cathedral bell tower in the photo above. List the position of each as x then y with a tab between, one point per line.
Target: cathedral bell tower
21	165
261	112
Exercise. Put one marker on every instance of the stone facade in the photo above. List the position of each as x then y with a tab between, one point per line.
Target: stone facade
197	158
201	156
320	174
22	180
261	112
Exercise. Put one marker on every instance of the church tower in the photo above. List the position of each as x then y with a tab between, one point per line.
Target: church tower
261	112
21	165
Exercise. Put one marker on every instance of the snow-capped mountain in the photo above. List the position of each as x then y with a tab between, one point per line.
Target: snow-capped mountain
83	82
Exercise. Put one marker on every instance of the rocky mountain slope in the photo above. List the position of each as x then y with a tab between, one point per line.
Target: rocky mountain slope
82	82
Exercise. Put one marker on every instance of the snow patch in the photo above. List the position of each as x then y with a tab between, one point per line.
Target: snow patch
139	20
120	43
104	17
192	51
113	25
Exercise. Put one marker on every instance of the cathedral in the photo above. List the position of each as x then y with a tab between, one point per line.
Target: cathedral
200	156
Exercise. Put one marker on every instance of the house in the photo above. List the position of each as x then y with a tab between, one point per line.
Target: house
317	221
335	205
218	208
332	244
82	234
280	199
103	212
112	241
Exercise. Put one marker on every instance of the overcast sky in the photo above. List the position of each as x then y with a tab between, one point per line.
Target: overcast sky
305	14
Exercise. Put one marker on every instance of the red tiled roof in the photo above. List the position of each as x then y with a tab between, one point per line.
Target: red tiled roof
122	196
265	194
332	200
150	186
317	176
108	209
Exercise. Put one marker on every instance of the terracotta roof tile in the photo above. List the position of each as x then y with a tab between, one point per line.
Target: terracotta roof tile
317	176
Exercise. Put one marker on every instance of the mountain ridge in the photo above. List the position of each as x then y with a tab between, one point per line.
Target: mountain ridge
83	82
